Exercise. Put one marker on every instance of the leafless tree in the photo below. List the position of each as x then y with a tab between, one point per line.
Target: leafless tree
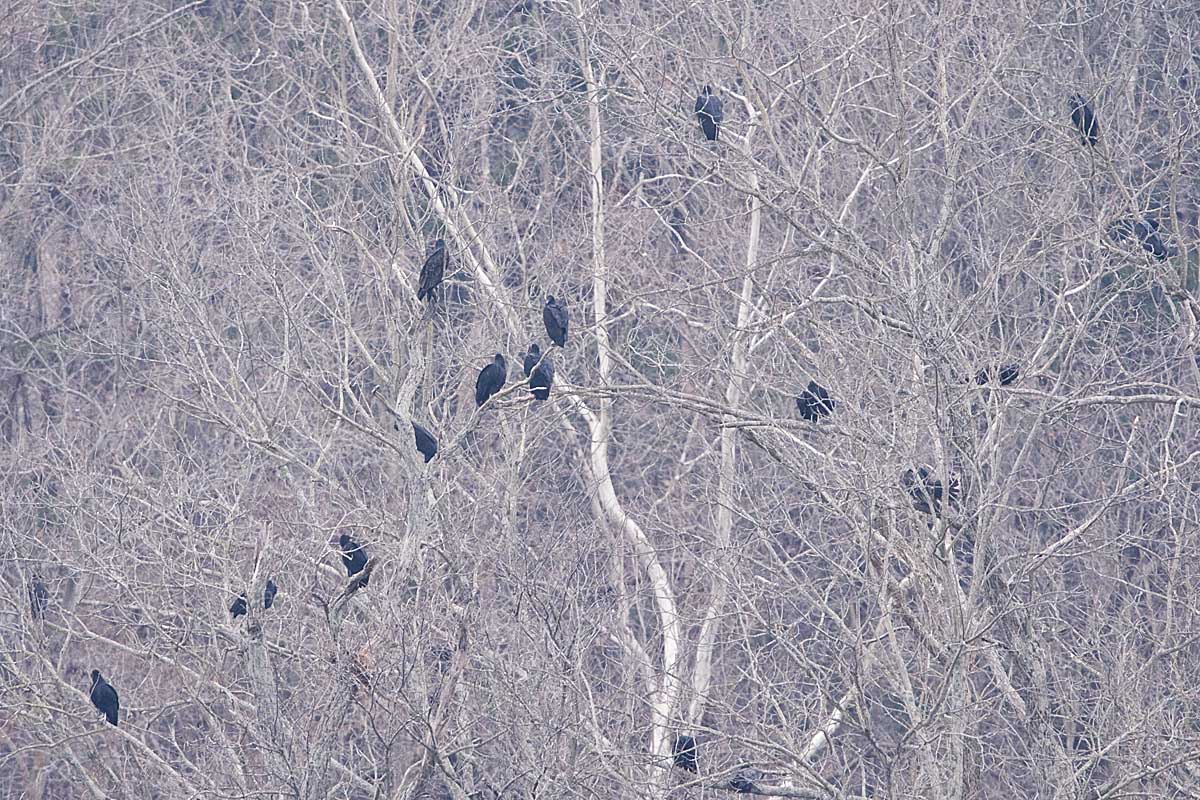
213	214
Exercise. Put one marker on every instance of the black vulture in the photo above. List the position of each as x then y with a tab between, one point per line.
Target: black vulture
426	444
269	593
1084	119
927	491
104	697
1146	234
684	752
540	371
360	580
708	112
1008	373
433	269
532	357
491	380
743	781
354	555
815	402
239	607
39	596
557	319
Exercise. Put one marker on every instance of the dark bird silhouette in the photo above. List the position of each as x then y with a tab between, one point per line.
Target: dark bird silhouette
433	270
1145	233
709	113
532	357
815	402
104	697
491	380
39	596
684	752
1008	374
540	371
239	606
354	555
269	593
1084	119
927	491
557	319
743	781
360	580
426	444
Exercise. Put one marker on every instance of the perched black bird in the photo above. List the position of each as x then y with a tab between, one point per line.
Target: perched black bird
532	357
491	380
709	113
540	371
239	607
743	781
360	580
684	752
269	593
927	491
557	319
354	555
39	596
1008	373
104	697
433	269
1084	119
426	444
1146	234
815	402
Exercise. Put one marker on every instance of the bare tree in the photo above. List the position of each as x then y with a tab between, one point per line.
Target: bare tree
213	215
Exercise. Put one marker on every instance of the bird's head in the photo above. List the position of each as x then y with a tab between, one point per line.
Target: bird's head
344	540
439	244
499	358
534	349
95	676
550	300
706	90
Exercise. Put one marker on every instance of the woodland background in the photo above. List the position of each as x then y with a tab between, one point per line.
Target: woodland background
212	215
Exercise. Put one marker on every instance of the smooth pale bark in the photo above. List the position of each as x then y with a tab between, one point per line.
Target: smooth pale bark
663	702
461	228
734	390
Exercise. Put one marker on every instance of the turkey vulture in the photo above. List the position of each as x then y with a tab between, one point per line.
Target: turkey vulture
557	319
1146	234
433	269
491	380
684	752
1084	119
104	697
708	112
239	607
354	555
1008	373
426	444
815	402
269	593
927	491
